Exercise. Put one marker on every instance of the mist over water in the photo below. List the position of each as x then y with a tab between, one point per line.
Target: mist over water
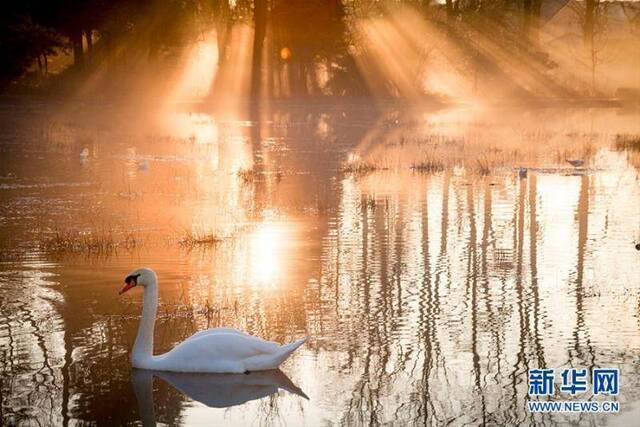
427	291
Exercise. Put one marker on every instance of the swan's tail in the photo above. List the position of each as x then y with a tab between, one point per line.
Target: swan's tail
286	350
273	360
293	345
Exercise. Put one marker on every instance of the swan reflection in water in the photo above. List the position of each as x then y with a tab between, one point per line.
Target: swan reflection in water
212	390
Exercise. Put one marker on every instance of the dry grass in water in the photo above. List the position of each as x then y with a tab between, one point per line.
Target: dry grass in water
86	242
428	166
359	168
478	152
193	239
625	142
247	175
483	168
631	145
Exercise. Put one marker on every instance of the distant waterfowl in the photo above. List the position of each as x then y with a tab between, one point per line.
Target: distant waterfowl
143	165
576	163
218	350
522	172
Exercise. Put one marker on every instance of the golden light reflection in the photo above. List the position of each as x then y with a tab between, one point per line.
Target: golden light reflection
266	253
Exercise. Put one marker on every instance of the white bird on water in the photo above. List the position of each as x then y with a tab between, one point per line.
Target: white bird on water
217	350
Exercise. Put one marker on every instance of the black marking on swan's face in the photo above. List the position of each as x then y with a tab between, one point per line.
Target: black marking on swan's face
132	279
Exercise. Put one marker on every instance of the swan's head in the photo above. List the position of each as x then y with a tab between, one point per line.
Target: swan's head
140	277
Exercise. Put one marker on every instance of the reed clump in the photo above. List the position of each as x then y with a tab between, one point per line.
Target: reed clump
98	243
478	151
428	166
626	142
359	168
483	167
247	175
193	239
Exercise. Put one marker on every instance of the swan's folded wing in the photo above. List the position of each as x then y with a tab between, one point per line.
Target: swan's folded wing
214	331
229	346
243	346
261	346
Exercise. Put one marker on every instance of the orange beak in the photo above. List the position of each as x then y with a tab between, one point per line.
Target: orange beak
126	287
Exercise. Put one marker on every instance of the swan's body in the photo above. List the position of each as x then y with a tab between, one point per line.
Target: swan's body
219	350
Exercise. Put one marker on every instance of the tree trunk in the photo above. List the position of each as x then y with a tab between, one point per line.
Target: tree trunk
88	34
40	71
526	18
531	21
589	21
295	78
449	4
223	29
589	33
78	54
536	7
260	21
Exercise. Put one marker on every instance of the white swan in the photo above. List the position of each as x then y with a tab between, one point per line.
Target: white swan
218	350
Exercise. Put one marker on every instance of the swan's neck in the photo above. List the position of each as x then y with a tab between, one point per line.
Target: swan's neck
143	347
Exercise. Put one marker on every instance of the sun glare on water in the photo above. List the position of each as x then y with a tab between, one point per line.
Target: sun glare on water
265	253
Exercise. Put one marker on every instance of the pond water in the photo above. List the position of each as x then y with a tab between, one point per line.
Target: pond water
429	273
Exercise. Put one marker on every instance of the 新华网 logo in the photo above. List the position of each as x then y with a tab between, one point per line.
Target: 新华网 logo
603	381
